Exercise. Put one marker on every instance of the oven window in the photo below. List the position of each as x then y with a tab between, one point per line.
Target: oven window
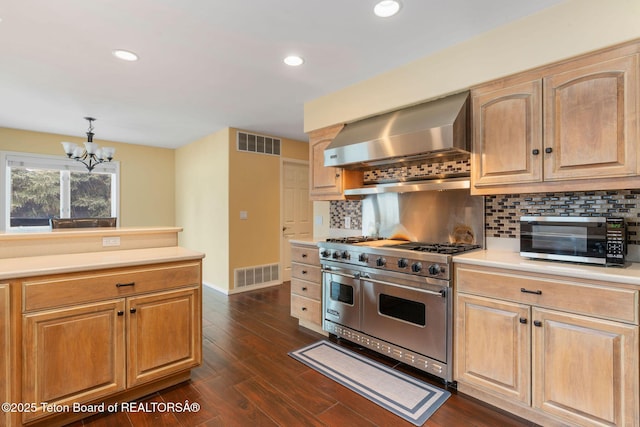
342	293
403	309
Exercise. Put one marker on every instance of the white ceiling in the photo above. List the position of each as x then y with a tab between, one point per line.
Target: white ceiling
209	64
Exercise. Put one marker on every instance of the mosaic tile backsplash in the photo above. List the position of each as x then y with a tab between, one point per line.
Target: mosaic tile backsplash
340	209
418	171
502	212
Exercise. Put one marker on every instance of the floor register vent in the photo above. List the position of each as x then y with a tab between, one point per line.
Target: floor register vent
258	143
256	275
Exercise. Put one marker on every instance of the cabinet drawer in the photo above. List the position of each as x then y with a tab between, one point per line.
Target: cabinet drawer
305	254
75	288
557	292
307	272
306	289
306	309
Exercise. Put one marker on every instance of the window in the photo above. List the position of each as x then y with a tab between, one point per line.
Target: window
39	187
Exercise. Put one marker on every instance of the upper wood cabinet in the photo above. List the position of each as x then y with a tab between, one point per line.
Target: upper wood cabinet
508	117
590	121
560	127
327	183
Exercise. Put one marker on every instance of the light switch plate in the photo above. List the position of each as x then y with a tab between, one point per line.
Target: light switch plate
244	214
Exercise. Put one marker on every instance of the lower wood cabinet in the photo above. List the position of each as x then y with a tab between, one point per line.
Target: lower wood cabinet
550	365
306	285
92	351
5	351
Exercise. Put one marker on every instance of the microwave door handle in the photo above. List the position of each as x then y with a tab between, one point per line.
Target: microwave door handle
441	293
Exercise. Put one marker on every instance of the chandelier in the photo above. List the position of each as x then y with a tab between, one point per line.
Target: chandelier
91	155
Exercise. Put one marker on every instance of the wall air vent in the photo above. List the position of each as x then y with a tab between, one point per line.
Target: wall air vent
258	143
259	275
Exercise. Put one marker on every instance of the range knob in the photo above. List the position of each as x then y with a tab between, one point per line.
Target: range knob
363	258
416	267
325	253
381	262
345	255
403	263
337	254
434	269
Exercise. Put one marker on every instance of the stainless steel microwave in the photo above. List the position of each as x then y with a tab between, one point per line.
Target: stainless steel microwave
593	240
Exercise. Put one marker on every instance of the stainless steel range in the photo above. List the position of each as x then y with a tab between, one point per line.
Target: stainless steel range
392	296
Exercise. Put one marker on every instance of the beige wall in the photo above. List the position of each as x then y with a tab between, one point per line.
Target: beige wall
202	199
147	190
214	182
568	29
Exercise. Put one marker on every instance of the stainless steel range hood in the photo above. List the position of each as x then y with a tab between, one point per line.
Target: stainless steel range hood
433	129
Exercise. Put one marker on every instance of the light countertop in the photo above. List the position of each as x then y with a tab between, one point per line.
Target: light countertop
512	260
89	231
11	268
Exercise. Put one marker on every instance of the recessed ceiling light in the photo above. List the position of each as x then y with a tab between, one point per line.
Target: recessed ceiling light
293	60
386	8
125	55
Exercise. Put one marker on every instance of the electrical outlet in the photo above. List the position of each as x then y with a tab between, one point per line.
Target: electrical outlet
347	222
110	241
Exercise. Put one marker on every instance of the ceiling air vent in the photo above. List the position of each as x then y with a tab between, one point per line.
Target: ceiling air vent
258	143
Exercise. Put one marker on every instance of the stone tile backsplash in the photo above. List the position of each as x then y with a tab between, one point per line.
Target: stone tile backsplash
502	212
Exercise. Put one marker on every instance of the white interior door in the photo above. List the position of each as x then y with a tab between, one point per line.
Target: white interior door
297	210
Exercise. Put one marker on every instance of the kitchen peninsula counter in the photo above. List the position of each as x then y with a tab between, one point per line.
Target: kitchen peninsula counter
12	268
628	275
121	306
81	240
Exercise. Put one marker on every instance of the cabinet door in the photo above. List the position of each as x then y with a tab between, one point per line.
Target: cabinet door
5	351
585	370
507	135
493	346
165	334
591	124
73	355
326	182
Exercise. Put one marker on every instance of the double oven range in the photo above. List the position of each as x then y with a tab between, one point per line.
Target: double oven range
393	297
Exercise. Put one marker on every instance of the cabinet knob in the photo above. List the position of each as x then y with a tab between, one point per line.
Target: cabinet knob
535	152
304	289
304	255
523	320
337	175
133	310
121	313
548	150
537	323
304	308
527	291
304	271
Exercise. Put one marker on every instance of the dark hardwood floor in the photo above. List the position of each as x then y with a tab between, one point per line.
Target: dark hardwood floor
247	378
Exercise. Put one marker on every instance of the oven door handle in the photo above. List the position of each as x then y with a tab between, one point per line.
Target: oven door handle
441	293
350	276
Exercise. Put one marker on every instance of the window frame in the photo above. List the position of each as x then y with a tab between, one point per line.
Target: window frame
49	162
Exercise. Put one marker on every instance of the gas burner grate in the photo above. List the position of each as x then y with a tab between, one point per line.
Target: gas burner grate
353	239
440	248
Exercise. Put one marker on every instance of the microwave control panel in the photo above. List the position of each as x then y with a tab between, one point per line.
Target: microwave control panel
616	241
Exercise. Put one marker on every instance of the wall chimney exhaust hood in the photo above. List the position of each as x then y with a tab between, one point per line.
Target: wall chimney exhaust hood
433	129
